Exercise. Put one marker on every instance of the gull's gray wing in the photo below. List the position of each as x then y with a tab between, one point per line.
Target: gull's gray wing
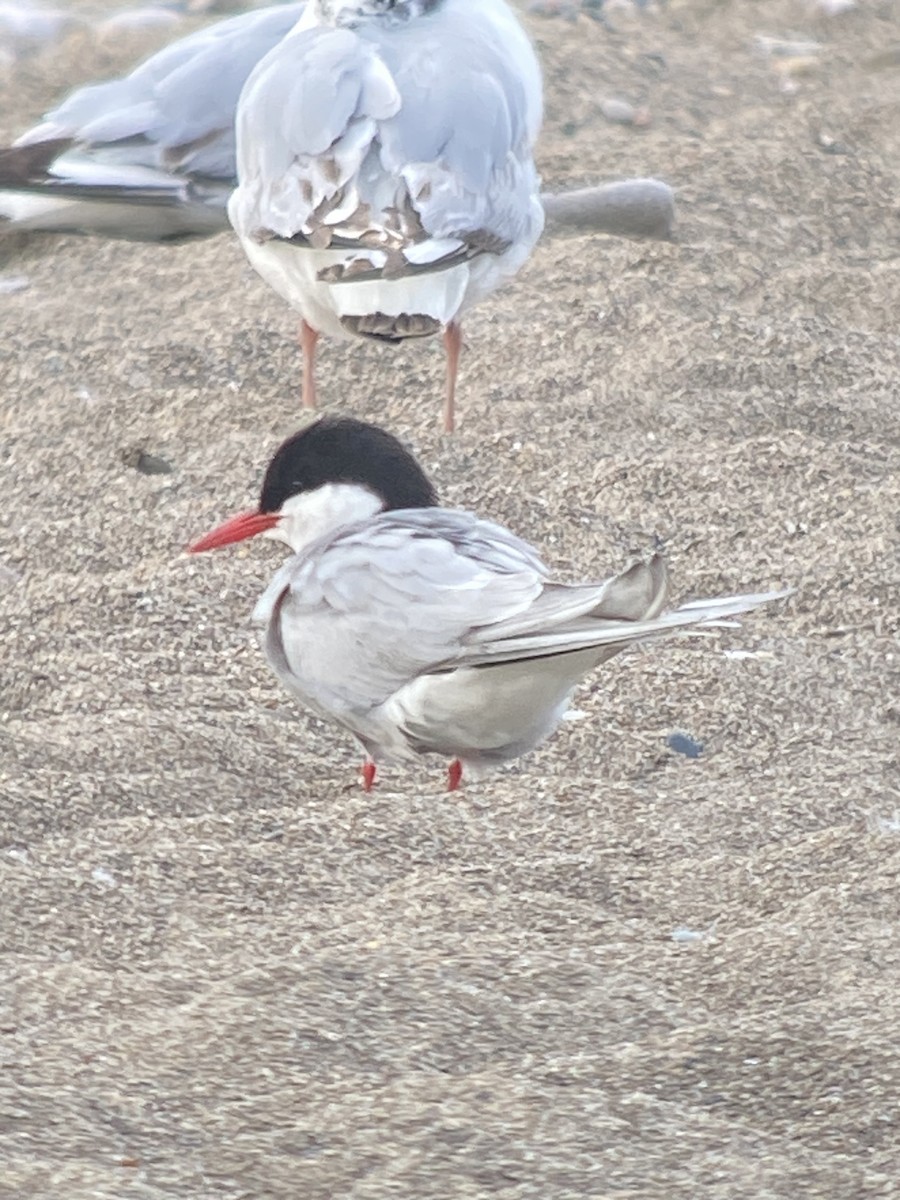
176	110
610	627
472	106
149	156
360	615
414	139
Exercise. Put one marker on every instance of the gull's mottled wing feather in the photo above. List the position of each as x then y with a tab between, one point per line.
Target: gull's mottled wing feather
373	608
306	121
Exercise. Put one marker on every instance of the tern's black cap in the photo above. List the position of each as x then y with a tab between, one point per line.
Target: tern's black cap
344	450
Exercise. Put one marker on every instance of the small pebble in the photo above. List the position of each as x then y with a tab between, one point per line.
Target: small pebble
574	714
830	145
683	743
782	48
685	934
621	112
144	463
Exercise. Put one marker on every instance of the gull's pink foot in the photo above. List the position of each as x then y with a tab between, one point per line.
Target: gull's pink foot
308	338
452	347
454	775
368	775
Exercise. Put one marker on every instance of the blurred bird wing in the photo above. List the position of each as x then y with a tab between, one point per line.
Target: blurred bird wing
176	110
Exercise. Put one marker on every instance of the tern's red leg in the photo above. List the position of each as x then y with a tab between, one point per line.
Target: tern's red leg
368	774
454	775
452	346
308	338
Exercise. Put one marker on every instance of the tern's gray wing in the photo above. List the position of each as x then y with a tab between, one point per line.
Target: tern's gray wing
415	139
149	156
363	613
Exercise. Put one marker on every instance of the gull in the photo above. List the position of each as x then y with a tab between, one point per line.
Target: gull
386	182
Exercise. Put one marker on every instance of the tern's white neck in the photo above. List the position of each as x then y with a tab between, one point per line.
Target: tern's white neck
311	515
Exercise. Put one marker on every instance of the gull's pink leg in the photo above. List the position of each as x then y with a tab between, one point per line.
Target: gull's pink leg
452	346
308	338
454	775
368	774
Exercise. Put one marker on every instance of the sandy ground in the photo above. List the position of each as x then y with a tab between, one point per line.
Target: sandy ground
230	974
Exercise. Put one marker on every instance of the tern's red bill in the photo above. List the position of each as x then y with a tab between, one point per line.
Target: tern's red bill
236	529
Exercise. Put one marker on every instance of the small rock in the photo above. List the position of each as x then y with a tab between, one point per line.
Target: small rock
882	824
782	48
683	743
830	145
146	464
684	934
620	112
574	714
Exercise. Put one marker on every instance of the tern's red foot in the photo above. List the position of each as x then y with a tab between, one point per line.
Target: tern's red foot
308	338
454	775
368	775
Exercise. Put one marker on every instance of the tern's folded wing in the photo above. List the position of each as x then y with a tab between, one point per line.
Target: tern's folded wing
607	635
363	614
